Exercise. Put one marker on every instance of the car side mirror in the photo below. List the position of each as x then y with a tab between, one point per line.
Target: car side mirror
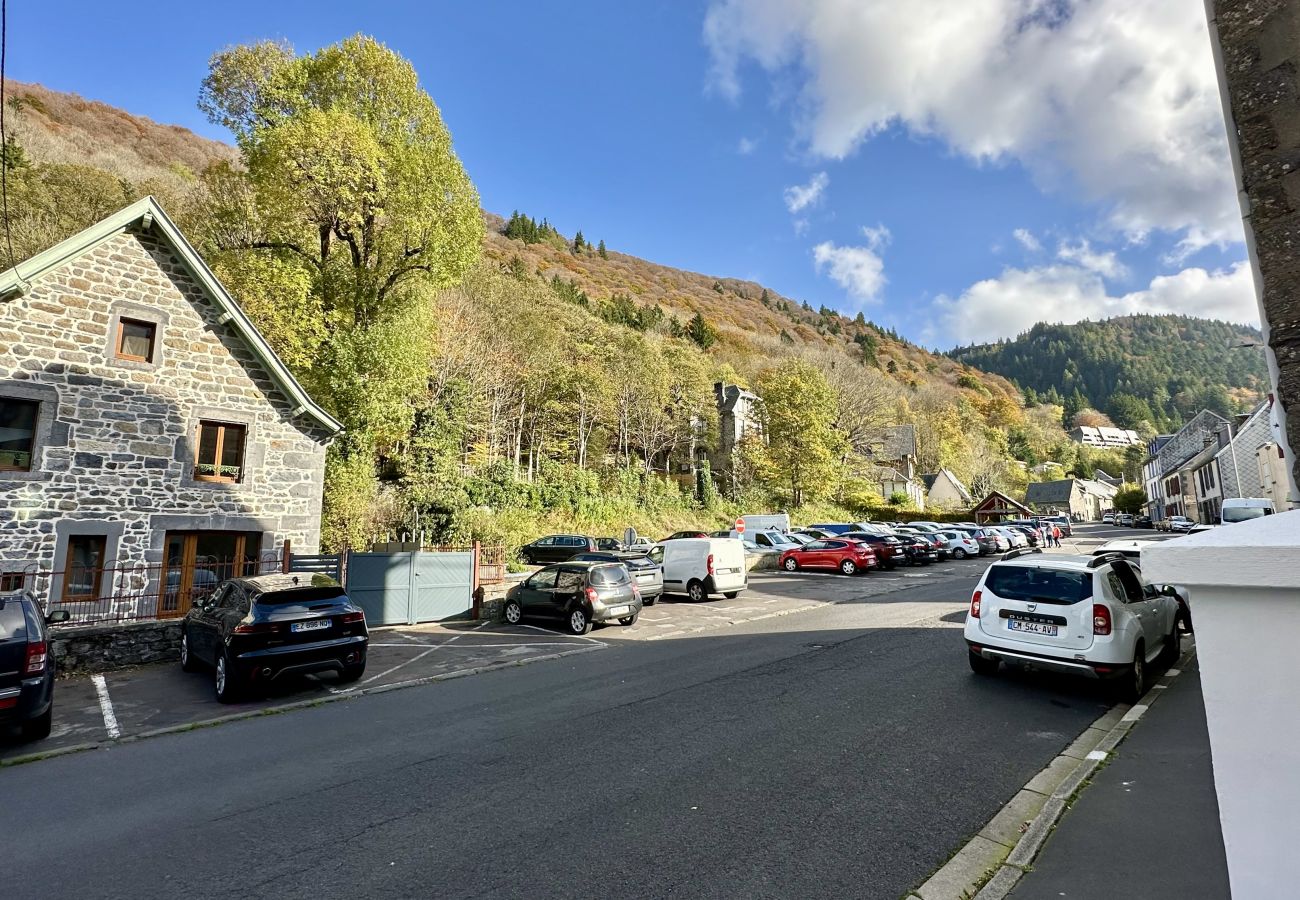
58	616
1168	590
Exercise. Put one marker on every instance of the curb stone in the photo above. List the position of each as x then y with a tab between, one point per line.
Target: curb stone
108	743
970	875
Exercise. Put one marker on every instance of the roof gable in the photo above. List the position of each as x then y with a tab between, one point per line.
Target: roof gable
149	216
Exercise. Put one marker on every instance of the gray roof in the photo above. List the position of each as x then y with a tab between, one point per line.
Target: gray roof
1050	491
895	442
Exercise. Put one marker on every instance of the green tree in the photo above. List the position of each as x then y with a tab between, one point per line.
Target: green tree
579	242
351	171
600	248
1130	499
701	332
797	410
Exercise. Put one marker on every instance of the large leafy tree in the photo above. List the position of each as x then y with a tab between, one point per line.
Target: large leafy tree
350	172
798	410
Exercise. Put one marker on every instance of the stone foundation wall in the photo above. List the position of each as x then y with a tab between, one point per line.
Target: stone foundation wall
99	648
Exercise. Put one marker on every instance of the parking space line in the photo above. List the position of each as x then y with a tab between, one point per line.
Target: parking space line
400	665
106	707
548	631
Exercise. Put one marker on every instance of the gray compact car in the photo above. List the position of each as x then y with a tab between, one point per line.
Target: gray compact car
578	594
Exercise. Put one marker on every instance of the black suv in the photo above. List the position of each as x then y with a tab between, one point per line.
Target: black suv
579	593
26	667
556	548
252	631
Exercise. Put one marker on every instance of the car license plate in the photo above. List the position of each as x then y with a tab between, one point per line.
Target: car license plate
619	610
1045	628
315	625
725	571
645	578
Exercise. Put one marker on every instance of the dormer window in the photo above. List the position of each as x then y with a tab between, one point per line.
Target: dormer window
135	340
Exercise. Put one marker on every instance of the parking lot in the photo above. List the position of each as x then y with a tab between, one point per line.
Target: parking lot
134	703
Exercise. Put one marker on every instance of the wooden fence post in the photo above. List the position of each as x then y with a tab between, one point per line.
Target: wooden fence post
284	557
477	594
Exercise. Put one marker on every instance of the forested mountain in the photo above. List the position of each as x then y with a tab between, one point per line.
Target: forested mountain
1156	369
497	377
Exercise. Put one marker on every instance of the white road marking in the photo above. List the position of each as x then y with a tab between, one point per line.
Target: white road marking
1098	754
1173	673
548	631
106	707
1135	713
401	665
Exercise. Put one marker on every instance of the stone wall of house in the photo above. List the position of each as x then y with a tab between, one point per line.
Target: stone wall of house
101	648
115	439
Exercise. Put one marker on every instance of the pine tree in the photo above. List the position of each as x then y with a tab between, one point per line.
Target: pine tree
600	248
701	332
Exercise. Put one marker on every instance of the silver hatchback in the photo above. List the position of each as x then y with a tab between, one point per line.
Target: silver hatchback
578	593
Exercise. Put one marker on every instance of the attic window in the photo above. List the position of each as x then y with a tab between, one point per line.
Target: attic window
135	340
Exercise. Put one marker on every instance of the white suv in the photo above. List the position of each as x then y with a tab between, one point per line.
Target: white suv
1093	617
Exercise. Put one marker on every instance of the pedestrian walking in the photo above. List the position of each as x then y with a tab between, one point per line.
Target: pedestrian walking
1056	536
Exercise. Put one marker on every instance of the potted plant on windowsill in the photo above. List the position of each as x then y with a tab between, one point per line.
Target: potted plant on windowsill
212	472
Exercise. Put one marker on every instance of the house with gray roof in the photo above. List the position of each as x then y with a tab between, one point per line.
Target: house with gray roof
894	451
1079	498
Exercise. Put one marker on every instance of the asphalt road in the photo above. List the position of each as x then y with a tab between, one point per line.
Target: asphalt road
840	752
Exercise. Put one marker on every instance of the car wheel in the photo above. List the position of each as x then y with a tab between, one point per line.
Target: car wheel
848	567
513	611
731	595
959	553
1134	684
1173	646
981	666
578	622
352	673
187	658
695	591
224	679
38	729
627	621
649	601
791	565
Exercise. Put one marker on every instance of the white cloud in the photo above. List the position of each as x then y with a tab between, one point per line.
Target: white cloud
859	270
1027	239
800	196
746	146
1112	99
1005	306
1106	263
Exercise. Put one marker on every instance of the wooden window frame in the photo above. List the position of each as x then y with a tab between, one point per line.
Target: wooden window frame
122	322
64	595
221	427
10	582
31	449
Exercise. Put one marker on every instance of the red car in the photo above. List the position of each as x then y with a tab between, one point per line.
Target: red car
850	557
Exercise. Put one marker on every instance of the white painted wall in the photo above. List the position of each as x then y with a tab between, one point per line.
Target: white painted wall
1243	582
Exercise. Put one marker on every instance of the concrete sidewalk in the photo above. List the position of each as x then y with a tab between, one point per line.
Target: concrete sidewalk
1148	824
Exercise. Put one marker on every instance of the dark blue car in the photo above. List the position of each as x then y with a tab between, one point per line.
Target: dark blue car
26	665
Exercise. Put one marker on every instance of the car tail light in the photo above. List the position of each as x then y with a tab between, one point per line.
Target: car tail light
709	564
975	605
353	618
37	654
1100	619
256	628
592	596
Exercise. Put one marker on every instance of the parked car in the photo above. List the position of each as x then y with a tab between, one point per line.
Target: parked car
776	522
1180	523
1132	549
577	593
556	548
767	540
26	665
647	575
960	544
1015	538
1239	509
253	631
1125	519
699	567
1108	518
1142	521
890	550
1063	523
918	550
933	539
849	557
1093	617
800	538
608	543
817	534
684	535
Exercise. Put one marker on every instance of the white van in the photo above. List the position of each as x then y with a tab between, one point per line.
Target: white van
779	522
699	567
1239	509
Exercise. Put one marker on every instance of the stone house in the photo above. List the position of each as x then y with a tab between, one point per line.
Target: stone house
150	439
737	419
894	453
945	490
1080	498
1169	490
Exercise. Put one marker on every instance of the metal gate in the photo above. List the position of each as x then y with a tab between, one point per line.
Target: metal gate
412	587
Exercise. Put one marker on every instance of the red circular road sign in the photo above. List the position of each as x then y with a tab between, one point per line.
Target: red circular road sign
740	525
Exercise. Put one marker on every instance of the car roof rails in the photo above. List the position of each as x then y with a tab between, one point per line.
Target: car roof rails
1021	551
1100	559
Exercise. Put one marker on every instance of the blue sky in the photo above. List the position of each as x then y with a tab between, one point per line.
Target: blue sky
955	171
